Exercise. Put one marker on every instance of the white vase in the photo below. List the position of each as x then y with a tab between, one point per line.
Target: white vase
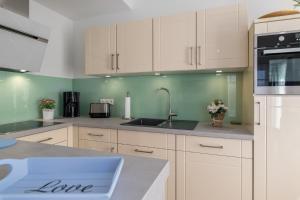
48	114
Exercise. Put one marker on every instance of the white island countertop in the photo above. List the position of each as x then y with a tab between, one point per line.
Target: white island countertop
140	179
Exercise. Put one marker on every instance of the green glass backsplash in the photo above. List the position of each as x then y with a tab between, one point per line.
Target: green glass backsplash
20	95
191	93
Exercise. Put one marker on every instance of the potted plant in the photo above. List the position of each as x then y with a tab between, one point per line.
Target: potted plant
47	106
217	111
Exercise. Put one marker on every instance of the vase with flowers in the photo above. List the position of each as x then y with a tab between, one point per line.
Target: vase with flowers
217	110
47	106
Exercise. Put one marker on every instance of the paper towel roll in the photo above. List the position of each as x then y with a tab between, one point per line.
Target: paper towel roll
127	108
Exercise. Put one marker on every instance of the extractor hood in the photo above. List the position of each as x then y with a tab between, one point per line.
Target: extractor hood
23	42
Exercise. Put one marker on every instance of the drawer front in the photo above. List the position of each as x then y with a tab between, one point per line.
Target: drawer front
98	146
64	144
95	134
50	137
214	146
143	151
155	140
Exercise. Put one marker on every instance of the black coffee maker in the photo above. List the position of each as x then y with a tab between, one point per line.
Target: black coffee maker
71	104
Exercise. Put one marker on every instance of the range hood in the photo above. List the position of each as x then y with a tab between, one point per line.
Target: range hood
23	42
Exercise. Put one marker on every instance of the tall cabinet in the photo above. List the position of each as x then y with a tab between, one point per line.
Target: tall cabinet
277	148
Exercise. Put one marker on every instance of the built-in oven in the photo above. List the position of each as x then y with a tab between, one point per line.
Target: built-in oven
277	63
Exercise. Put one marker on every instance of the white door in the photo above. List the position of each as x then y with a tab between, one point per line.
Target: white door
283	148
134	47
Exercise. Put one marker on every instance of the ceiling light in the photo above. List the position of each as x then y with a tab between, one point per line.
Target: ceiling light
219	71
157	74
23	70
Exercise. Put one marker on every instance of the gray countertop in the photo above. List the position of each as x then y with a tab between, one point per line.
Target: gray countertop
137	176
202	129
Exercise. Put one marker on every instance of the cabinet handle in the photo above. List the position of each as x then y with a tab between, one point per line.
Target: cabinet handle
258	104
199	56
112	149
44	140
191	56
117	55
112	61
95	135
142	151
211	146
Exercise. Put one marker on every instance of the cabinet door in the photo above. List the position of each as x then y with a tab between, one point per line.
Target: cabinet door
100	50
98	146
226	37
50	137
284	25
134	46
175	42
260	138
212	177
200	40
155	153
283	147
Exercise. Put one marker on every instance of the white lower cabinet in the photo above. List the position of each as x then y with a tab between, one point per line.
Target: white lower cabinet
151	145
211	177
55	137
98	146
213	169
104	140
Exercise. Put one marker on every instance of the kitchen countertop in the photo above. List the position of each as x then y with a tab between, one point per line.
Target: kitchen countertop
202	129
138	176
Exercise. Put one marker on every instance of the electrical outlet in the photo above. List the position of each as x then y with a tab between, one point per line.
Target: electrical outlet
110	101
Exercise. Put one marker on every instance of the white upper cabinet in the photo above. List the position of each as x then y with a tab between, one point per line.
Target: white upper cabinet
100	50
134	47
226	31
215	38
175	42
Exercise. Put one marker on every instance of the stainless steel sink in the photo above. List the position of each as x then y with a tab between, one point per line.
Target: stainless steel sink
161	123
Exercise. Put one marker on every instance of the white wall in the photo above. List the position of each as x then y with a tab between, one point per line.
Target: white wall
58	60
145	8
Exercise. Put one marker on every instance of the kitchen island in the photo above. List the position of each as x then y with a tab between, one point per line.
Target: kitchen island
140	179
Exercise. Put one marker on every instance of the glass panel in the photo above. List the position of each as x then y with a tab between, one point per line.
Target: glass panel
278	70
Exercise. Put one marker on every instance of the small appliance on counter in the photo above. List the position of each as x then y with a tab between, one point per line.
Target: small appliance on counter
71	104
100	110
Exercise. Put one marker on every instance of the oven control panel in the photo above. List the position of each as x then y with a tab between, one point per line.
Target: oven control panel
279	40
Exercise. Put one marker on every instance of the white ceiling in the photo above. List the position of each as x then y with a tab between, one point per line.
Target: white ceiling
80	9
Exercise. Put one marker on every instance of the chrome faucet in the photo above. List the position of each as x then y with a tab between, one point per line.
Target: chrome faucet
171	114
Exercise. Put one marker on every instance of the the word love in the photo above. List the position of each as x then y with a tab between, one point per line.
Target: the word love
56	186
